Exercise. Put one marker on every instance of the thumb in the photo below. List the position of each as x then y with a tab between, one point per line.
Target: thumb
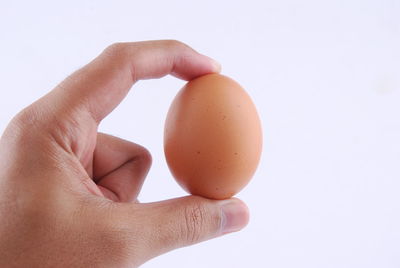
189	220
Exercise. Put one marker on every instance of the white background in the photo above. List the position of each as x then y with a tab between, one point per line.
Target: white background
325	76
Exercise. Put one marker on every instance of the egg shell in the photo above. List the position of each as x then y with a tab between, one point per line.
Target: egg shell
212	137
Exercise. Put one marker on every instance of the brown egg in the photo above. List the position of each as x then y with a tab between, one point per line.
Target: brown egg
212	138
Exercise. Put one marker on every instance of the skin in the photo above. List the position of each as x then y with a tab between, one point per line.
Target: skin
68	194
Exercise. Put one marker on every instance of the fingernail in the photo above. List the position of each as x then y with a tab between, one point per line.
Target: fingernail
235	215
217	66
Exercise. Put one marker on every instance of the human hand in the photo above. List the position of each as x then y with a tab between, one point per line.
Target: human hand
68	193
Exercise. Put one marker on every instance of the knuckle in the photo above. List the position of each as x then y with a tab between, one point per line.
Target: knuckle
116	49
23	124
27	117
39	124
145	156
121	54
139	155
175	44
194	224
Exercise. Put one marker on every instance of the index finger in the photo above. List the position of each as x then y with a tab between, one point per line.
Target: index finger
100	86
